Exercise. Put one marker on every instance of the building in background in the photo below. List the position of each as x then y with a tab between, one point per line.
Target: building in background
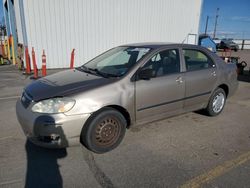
94	26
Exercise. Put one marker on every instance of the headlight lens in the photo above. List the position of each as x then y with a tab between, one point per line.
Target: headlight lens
54	105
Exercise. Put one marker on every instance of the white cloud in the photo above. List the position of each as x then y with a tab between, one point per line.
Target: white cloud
241	18
225	34
222	32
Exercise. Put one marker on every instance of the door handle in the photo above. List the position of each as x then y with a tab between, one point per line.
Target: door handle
179	79
213	73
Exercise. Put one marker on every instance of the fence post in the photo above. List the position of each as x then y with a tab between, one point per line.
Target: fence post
243	43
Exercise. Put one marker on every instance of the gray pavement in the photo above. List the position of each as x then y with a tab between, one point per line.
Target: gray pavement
190	150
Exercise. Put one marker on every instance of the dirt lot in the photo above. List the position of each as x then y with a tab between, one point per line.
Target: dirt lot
190	150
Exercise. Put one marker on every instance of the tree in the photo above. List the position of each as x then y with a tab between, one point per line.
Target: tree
3	30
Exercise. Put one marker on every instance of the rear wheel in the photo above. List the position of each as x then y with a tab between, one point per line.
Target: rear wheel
216	102
104	131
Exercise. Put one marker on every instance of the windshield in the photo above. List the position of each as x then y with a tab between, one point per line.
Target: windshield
229	41
116	62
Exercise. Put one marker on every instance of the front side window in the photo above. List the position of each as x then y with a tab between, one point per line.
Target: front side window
196	60
164	63
117	61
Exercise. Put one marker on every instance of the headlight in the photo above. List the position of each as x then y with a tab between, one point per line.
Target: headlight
54	105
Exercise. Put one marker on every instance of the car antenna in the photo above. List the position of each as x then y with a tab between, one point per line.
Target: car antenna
184	39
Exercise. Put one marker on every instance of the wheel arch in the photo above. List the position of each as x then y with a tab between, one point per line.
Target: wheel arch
123	111
225	88
120	109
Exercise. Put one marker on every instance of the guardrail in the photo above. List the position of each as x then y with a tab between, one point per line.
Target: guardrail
243	43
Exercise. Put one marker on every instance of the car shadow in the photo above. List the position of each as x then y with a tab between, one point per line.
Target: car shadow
42	165
202	112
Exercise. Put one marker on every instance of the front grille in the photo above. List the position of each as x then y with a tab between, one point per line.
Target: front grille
26	99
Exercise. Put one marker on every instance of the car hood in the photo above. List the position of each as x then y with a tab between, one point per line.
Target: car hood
64	83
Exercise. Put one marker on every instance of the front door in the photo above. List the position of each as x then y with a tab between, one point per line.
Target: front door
163	93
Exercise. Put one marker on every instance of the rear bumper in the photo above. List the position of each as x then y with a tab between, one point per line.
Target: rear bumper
50	130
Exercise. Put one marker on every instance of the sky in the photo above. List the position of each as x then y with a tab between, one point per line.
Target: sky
1	11
233	20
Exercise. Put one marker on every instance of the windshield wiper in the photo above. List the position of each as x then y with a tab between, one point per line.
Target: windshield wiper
84	69
96	72
103	74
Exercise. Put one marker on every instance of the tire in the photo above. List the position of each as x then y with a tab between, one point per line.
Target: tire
104	131
213	108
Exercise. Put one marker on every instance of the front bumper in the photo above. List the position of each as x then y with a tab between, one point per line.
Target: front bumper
50	130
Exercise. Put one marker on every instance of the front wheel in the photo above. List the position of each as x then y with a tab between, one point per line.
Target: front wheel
104	131
216	102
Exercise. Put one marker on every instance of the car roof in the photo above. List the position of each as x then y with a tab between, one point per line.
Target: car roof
202	36
155	45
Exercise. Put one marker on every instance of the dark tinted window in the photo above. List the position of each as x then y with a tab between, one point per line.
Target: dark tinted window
163	63
196	60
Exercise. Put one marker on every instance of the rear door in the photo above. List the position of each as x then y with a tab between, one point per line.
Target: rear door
200	77
163	93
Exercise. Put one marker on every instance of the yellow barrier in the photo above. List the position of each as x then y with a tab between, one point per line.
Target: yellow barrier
13	50
1	61
8	49
5	48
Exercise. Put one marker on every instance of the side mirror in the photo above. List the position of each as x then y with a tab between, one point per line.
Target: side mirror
145	74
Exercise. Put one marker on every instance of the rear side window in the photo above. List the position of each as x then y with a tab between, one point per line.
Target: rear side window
196	60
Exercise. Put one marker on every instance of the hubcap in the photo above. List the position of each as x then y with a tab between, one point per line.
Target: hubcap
218	102
107	131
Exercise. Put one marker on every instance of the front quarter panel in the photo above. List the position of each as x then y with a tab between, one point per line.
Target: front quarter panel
120	93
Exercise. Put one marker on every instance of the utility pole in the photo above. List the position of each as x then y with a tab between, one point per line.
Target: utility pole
206	25
216	18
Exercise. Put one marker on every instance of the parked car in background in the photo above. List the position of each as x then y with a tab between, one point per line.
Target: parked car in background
131	84
206	41
217	42
228	44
